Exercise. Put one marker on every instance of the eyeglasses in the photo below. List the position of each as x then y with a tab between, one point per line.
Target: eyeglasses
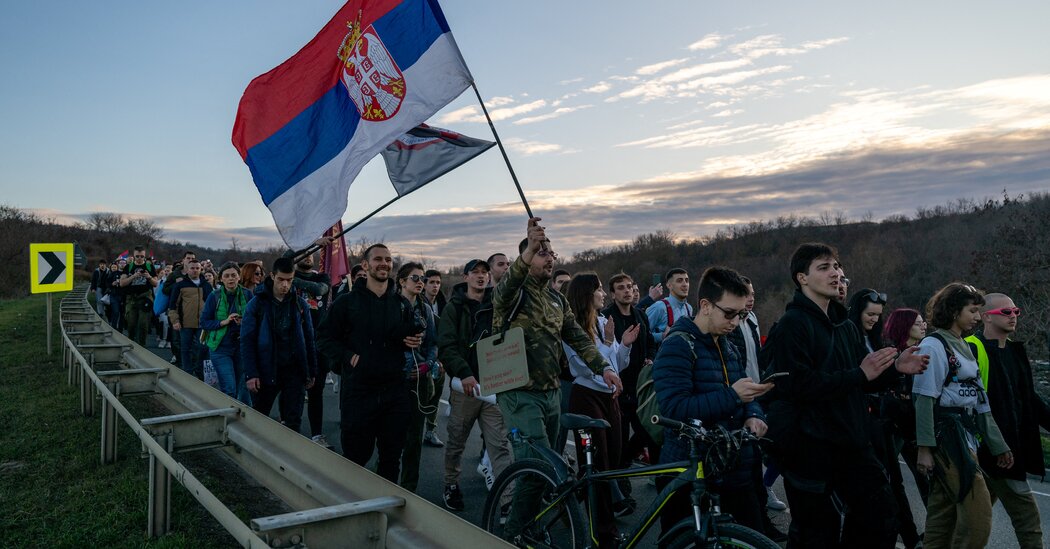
417	278
1005	311
730	314
876	297
844	281
547	253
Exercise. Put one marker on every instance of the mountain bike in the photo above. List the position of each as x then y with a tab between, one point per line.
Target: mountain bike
535	502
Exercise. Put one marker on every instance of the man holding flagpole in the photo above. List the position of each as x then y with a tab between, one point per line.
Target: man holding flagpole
534	409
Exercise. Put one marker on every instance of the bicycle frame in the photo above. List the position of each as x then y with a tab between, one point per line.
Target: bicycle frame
689	473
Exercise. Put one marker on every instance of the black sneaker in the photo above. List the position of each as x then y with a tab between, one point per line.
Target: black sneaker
453	498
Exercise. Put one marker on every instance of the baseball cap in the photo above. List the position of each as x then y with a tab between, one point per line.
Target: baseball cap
473	263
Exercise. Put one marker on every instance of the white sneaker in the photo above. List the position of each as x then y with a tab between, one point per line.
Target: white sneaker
774	502
486	471
328	379
321	441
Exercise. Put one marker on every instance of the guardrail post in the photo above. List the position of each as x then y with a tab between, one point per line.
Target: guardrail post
109	426
159	491
87	393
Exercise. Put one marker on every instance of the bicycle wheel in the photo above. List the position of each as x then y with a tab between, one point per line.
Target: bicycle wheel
729	535
518	506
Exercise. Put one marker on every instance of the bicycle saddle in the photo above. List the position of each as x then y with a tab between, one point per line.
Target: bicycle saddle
579	421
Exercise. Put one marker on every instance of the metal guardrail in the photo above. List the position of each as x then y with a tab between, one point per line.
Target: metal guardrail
336	503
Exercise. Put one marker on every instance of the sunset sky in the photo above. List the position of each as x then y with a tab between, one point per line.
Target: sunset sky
620	118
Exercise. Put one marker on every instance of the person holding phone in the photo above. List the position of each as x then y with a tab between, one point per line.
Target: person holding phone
221	322
698	375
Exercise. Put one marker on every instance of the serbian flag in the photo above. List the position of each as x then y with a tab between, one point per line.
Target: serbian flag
426	153
334	258
306	128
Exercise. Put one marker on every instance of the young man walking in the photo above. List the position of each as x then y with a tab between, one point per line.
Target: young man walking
435	300
535	409
365	336
817	420
184	312
466	319
277	346
137	282
1018	411
663	313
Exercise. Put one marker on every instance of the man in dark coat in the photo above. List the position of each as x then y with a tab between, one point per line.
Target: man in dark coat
1019	413
698	375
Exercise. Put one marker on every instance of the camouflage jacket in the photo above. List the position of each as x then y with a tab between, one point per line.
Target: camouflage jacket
547	321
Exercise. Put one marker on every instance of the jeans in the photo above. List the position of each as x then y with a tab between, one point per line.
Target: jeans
227	363
192	352
116	313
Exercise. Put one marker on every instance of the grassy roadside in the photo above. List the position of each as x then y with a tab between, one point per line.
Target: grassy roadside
54	492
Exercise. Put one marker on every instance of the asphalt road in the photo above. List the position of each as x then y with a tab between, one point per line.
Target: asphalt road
473	485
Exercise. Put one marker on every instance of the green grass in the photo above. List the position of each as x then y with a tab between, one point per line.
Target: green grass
54	491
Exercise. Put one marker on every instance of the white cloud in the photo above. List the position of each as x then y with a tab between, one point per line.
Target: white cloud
727	113
510	112
657	67
499	101
772	44
571	81
530	148
466	114
600	87
708	42
553	114
864	120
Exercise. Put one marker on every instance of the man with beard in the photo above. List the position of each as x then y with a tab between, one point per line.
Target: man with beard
523	298
365	336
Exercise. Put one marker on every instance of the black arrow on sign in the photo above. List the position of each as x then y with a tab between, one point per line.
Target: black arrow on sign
57	267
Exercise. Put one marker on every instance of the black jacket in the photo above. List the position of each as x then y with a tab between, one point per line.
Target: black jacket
736	337
1017	409
372	327
98	279
463	322
643	348
824	395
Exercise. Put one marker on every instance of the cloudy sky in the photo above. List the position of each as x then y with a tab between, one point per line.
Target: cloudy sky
620	118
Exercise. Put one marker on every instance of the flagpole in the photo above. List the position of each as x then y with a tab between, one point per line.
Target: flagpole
502	150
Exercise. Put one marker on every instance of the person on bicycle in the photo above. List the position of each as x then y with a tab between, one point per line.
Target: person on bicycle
817	420
524	296
698	375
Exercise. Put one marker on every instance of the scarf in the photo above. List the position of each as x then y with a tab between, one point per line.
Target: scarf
222	310
958	344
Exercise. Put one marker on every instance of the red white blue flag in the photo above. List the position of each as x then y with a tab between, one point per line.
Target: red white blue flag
426	153
306	128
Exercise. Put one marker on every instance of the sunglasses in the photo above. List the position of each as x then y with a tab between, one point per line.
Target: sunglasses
844	281
876	297
730	314
547	253
1005	311
417	278
139	257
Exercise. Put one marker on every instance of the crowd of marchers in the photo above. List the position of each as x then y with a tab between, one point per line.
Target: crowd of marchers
839	389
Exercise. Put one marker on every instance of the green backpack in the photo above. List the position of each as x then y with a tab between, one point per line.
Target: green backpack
647	404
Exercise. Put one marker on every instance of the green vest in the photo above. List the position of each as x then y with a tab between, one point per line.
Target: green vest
982	358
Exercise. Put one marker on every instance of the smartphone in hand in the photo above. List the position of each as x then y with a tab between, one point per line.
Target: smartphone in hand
657	280
772	377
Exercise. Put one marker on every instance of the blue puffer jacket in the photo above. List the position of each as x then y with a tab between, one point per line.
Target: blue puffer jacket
257	339
688	388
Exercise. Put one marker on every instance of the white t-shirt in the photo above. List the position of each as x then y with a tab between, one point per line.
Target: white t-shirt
963	393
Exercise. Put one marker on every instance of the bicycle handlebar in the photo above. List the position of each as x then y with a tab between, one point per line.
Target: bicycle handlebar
698	432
